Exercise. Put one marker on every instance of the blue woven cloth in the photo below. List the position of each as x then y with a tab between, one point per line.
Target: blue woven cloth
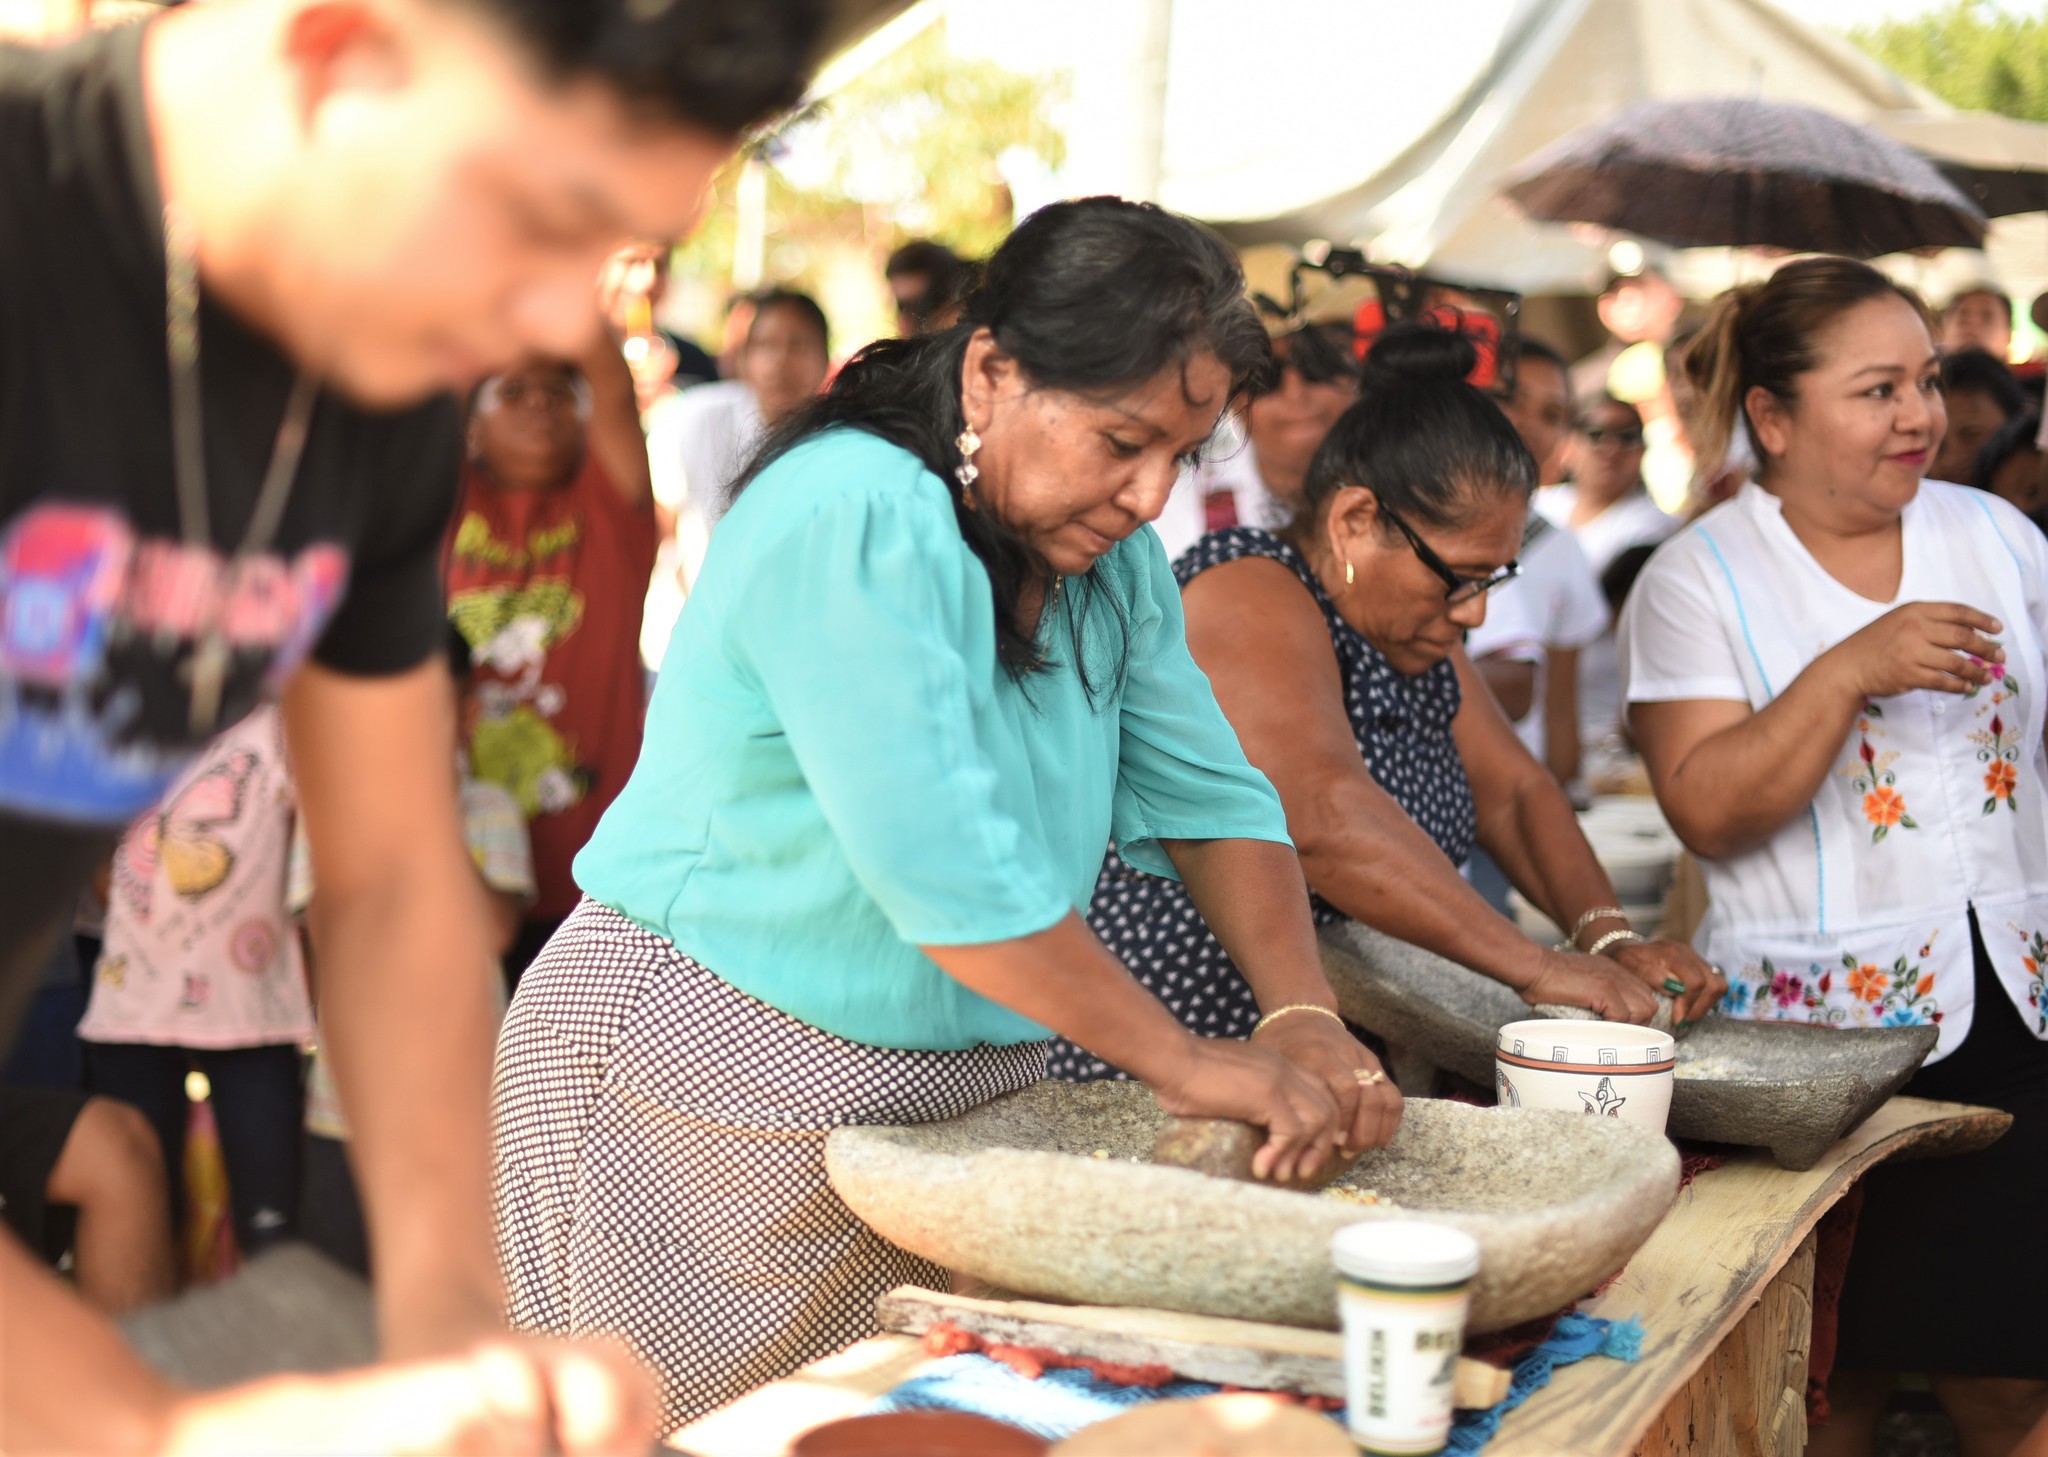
1061	1402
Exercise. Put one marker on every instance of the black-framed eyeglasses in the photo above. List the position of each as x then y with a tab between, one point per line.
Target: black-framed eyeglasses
1457	588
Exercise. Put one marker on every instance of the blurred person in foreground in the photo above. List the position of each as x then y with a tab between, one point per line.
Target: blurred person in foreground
494	833
928	281
1978	317
546	565
1836	680
272	229
1333	648
1981	395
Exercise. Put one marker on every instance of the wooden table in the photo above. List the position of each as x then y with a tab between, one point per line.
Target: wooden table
1724	1288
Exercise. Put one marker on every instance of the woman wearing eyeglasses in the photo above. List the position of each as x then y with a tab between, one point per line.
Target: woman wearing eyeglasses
1608	508
1606	505
1334	649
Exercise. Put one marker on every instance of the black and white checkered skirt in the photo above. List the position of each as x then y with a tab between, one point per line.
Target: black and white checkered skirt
660	1162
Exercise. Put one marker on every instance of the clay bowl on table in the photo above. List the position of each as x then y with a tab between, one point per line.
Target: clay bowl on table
1013	1192
1790	1088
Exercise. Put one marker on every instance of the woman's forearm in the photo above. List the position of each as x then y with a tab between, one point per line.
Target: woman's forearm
1535	839
1561	747
1252	895
1066	979
1735	788
1366	857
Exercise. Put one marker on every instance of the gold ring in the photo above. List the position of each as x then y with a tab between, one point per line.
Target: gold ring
1367	1078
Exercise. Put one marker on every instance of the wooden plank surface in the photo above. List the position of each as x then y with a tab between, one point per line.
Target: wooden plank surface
1702	1271
1696	1280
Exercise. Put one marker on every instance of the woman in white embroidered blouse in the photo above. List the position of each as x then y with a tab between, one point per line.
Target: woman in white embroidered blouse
1837	679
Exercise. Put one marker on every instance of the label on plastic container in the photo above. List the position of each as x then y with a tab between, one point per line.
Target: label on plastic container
1401	1346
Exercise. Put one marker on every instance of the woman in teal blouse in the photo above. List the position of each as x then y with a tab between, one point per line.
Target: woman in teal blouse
932	665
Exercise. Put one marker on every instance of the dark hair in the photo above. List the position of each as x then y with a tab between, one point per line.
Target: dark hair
1527	349
1765	335
946	277
1422	438
798	303
2016	434
1988	290
1602	400
722	65
1090	297
1987	374
928	258
1620	577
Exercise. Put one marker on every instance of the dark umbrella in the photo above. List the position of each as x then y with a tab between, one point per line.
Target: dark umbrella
1748	173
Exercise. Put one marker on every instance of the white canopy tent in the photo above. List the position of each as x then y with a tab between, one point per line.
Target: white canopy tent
1392	126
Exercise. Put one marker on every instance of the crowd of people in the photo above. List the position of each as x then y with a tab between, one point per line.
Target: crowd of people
744	728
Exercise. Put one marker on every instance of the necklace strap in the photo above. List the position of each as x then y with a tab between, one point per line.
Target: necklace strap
212	653
181	337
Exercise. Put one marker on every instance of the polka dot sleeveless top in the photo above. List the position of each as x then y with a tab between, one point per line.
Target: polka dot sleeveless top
1403	728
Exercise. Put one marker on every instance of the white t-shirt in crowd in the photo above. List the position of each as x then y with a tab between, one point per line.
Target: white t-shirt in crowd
1232	470
1634	520
1854	913
698	441
1554	603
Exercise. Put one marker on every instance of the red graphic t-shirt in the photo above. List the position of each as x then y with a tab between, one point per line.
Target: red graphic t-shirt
547	587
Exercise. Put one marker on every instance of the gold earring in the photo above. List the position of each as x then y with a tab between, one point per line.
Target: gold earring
1350	572
967	472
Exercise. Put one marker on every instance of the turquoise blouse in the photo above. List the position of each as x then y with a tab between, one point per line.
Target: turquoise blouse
836	769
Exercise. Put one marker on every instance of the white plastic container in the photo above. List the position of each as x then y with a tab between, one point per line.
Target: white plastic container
1403	1288
1604	1069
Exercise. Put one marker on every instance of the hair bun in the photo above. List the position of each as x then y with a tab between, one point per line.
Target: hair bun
1419	353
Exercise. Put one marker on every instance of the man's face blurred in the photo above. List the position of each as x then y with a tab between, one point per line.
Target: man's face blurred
1541	412
784	362
910	291
450	208
1977	321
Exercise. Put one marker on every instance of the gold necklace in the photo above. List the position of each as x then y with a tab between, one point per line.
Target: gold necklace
212	654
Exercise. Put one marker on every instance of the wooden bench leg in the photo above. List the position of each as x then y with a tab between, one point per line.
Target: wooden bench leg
1749	1399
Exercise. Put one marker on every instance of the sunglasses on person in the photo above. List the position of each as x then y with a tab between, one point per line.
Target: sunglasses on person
1319	353
1628	437
1457	587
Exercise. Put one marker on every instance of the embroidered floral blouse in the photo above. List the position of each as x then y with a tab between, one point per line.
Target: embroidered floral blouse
1855	913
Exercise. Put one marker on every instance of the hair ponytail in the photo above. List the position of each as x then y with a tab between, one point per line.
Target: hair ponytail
1712	364
1764	336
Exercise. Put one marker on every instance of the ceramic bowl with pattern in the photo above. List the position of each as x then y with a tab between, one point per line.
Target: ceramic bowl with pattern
1601	1069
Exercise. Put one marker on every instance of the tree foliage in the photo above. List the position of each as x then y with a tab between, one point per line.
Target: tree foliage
1972	54
913	147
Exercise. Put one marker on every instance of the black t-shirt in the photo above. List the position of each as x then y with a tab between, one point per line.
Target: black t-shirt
101	602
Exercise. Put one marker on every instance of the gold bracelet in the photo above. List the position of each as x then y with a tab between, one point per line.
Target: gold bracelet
1279	1012
1628	937
1598	913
